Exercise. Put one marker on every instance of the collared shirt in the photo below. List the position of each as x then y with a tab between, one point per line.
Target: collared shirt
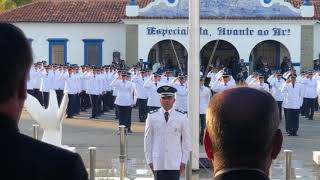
223	171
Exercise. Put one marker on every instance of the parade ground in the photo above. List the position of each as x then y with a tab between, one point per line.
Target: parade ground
82	132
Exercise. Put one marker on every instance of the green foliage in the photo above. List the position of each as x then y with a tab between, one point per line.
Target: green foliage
21	2
6	4
10	4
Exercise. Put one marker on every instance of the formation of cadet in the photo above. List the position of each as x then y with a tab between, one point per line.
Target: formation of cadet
110	87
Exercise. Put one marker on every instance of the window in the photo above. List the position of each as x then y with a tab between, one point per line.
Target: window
57	51
93	51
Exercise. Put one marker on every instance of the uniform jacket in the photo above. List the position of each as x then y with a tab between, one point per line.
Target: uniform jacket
125	92
205	95
219	86
22	157
258	85
242	174
153	96
167	144
293	97
276	86
181	96
140	91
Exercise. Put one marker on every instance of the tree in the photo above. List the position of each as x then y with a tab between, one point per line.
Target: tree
6	4
22	2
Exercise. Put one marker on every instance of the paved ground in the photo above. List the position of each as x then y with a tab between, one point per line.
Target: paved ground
82	133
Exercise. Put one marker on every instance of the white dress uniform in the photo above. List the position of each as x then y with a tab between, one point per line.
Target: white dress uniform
140	96
260	86
37	79
310	95
46	81
58	81
139	91
219	86
153	96
310	88
124	101
181	96
46	85
276	85
167	80
125	92
205	95
94	90
31	80
58	84
293	98
167	144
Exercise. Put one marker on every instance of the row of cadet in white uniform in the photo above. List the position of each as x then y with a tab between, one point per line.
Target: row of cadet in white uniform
145	87
126	92
306	87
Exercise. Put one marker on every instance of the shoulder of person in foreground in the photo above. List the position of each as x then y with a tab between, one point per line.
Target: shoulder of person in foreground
66	163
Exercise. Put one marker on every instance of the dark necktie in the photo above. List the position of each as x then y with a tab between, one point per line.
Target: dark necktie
293	85
166	116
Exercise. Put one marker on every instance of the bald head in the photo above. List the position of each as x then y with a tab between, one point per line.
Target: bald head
241	124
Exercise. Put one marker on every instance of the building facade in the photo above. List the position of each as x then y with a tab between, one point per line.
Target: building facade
98	32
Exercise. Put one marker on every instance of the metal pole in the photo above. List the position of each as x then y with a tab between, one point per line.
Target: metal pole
122	156
270	171
189	168
288	160
35	131
194	77
92	151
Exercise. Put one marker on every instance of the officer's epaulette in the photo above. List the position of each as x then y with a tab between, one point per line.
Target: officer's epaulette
153	111
180	111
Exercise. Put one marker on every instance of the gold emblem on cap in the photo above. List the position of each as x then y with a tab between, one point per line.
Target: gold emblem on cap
166	88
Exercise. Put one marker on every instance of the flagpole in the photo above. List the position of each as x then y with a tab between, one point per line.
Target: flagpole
193	78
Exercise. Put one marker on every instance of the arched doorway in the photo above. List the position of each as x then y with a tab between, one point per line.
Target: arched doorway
270	52
169	52
226	55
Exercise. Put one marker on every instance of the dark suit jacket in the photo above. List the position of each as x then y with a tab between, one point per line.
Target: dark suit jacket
242	175
22	157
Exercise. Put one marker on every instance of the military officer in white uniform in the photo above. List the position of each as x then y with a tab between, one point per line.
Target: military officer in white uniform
151	85
181	96
167	139
224	81
259	83
141	94
293	97
124	100
276	82
167	77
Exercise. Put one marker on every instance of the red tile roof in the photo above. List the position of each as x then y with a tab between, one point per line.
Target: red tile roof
70	11
98	11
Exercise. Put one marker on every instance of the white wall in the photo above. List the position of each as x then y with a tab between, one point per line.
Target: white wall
244	44
114	36
316	47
